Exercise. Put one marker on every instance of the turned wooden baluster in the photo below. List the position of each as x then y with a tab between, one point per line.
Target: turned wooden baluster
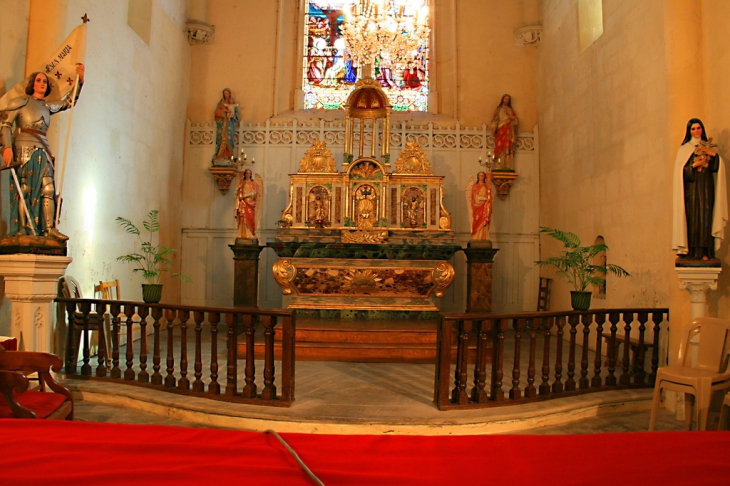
129	311
598	361
639	373
478	394
625	378
515	393
249	390
269	391
183	383
533	325
558	384
497	394
232	364
156	376
214	387
288	358
143	376
657	318
442	382
613	318
85	308
573	320
71	351
170	378
583	383
547	324
459	395
198	317
102	353
115	310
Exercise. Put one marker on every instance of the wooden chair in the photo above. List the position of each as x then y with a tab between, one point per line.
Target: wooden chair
19	402
69	287
701	379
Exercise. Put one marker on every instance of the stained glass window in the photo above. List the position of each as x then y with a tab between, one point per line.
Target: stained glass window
329	74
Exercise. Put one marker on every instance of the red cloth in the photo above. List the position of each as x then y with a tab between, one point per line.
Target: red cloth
59	452
42	403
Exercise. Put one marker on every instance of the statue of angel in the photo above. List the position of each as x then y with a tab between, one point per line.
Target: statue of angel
479	202
249	198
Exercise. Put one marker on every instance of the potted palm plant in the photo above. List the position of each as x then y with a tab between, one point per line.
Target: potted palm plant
153	261
575	265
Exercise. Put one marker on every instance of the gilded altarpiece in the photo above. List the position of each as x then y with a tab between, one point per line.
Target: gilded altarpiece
368	237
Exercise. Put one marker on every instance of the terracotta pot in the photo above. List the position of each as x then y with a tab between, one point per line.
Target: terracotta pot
151	293
581	300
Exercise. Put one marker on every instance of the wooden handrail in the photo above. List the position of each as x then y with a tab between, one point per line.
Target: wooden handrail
183	333
563	371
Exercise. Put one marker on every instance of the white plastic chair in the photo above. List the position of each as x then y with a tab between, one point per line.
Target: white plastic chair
724	412
707	375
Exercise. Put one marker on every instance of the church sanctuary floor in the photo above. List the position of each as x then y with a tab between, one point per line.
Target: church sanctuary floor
367	398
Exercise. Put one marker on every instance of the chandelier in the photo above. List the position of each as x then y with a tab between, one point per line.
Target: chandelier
381	29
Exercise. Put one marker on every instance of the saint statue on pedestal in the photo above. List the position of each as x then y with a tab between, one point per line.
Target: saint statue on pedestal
700	210
504	125
226	120
479	203
249	196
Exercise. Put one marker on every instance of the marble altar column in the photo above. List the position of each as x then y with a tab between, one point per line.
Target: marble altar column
479	260
30	284
246	272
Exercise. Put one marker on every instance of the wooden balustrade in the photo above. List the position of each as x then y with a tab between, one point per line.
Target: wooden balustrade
556	330
174	329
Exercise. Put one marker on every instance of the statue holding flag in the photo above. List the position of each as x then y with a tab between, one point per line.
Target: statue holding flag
25	116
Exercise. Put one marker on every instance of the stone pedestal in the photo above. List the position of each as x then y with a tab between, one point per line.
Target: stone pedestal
246	272
30	284
697	280
479	260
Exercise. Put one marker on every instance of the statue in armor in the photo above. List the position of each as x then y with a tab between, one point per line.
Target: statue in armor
30	117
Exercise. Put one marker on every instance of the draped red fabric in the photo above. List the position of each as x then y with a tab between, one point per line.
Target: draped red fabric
50	452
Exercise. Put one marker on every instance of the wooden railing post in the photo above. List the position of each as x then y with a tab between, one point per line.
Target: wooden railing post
459	395
598	362
657	318
101	353
515	393
198	318
547	324
558	384
232	359
71	352
639	373
269	391
625	378
573	321
533	325
478	394
586	320
497	394
170	378
214	387
288	360
444	337
85	311
156	376
143	376
183	383
116	312
614	318
129	311
249	390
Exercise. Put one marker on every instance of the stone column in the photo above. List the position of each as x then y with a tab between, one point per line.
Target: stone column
246	272
30	284
479	260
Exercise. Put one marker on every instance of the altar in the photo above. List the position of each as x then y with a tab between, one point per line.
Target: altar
369	237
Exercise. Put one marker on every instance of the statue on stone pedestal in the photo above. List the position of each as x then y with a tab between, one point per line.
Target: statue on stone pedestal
29	152
479	203
699	205
226	120
504	125
249	196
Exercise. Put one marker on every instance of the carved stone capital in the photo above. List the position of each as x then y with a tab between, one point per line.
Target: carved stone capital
199	32
697	281
528	35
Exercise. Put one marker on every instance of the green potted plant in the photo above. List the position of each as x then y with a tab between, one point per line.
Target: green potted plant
154	259
575	265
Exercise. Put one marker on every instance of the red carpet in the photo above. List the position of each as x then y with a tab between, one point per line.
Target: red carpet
50	452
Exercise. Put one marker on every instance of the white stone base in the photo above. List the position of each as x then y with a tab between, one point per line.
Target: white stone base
30	284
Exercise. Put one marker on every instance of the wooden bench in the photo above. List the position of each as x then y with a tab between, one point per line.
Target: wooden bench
633	344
